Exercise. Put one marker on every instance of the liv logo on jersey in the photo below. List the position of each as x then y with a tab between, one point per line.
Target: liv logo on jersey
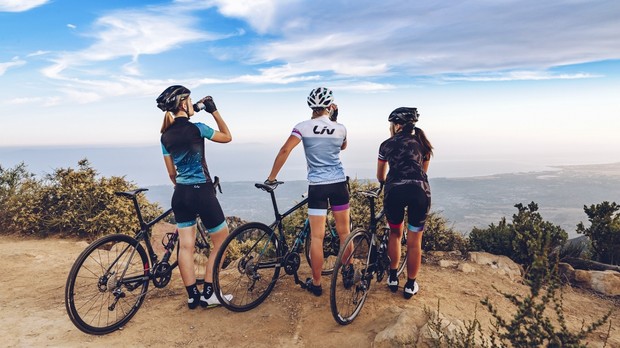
315	130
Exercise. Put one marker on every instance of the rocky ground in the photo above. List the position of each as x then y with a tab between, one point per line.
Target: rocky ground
33	310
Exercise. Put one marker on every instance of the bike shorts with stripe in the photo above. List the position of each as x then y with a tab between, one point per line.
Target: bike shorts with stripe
321	196
410	196
188	201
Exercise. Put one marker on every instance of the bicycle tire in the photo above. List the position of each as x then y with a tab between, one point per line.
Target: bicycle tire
346	301
236	271
331	247
89	290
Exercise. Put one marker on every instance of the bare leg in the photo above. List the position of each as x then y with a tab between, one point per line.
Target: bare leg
414	248
396	235
343	228
317	231
217	238
187	240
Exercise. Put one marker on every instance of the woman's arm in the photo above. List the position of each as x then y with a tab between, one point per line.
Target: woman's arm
282	156
425	165
172	171
222	135
382	167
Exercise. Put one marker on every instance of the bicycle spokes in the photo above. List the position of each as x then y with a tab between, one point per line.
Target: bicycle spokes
249	265
352	278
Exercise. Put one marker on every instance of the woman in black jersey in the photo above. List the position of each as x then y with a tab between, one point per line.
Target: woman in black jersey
183	145
407	154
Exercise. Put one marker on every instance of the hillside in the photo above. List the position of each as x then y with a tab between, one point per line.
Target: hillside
33	312
465	202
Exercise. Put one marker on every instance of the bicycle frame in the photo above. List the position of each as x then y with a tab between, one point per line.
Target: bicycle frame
277	223
145	227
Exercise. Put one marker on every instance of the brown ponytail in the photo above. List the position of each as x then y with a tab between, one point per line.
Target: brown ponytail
168	120
423	140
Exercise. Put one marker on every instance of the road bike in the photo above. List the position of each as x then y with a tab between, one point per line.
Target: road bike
248	263
366	250
109	280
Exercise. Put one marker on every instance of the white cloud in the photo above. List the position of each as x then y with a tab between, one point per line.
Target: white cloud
364	42
126	34
129	34
7	65
39	101
20	5
422	38
71	26
521	76
37	53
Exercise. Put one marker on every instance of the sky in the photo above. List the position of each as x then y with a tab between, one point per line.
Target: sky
499	84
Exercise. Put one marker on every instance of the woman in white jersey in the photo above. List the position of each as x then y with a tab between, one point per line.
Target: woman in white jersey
323	139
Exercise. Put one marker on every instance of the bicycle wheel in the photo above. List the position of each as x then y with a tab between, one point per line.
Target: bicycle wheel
331	246
348	291
247	266
107	284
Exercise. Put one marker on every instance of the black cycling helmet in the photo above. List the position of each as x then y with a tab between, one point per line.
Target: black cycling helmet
169	99
404	115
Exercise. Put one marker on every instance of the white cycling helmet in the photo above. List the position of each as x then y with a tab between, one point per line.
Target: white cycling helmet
320	97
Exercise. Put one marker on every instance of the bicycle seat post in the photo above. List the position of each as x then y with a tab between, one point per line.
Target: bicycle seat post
138	212
275	205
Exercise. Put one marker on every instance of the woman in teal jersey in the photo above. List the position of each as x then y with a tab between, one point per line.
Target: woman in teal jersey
183	148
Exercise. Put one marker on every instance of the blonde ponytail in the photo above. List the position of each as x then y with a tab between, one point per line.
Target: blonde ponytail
168	120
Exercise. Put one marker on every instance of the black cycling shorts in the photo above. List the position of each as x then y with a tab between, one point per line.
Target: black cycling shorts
320	196
412	197
188	201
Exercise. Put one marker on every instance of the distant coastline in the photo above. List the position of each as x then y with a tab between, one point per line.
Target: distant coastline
466	202
468	193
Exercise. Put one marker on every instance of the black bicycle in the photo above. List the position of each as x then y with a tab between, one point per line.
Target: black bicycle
365	250
110	278
248	263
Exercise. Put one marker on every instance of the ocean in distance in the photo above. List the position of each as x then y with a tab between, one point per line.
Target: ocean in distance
466	202
467	193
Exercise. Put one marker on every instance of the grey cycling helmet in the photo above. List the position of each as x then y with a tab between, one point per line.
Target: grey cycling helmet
169	99
404	115
320	97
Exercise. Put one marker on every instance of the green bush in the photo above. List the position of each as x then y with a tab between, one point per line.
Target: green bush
532	325
497	239
439	236
527	236
538	320
604	231
68	202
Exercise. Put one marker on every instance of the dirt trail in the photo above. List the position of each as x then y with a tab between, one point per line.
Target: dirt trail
33	311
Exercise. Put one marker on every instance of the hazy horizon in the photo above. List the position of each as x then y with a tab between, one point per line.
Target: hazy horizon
144	165
500	86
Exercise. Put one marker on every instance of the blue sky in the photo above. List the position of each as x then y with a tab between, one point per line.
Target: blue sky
526	82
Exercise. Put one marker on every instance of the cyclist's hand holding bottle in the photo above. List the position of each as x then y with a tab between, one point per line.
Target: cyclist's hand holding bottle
206	104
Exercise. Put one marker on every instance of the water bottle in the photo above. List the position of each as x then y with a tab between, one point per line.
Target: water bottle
198	106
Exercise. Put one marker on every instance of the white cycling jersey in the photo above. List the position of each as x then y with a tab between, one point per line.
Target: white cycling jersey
322	139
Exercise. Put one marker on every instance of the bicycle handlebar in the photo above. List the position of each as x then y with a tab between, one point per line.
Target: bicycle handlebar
372	193
268	188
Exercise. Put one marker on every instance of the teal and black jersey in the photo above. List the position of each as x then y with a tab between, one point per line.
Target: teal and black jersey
184	141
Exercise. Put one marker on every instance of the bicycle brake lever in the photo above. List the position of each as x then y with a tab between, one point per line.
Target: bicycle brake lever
216	183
